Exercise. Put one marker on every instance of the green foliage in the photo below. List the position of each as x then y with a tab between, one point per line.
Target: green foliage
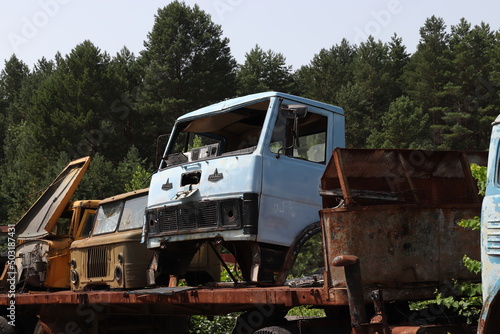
479	173
329	71
403	126
306	311
264	71
472	224
466	297
139	180
472	265
100	181
235	271
214	325
22	179
310	258
187	64
469	303
132	171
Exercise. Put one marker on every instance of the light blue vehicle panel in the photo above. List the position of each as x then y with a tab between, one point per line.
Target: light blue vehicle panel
245	170
290	187
490	238
241	174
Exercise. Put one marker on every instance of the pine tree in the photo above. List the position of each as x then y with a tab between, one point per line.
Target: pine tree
428	72
264	71
369	97
25	167
128	74
397	62
187	65
403	126
12	78
328	71
466	123
72	109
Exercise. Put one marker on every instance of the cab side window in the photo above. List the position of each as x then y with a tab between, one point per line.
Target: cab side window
88	225
301	138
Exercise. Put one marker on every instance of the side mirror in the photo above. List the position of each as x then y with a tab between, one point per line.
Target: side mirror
293	111
161	144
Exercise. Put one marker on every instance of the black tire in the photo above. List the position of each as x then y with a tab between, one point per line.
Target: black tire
5	328
38	328
265	317
273	330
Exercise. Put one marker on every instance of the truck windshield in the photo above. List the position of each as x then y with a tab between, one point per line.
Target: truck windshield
108	216
133	213
233	132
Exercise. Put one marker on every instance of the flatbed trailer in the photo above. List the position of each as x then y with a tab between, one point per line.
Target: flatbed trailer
168	308
86	308
390	236
191	300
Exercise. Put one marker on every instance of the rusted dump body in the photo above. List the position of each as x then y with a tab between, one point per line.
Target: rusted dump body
393	176
397	211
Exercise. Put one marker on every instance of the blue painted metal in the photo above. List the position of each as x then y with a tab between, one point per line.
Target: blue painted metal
490	235
286	188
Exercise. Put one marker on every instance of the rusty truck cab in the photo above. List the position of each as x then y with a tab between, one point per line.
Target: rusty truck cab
48	228
112	255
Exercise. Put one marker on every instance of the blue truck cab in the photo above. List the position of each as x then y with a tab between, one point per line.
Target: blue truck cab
245	174
490	238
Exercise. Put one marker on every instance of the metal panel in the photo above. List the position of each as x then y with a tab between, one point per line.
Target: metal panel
397	210
390	176
39	220
402	246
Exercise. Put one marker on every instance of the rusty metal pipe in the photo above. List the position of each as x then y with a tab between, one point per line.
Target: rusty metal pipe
380	314
345	260
357	309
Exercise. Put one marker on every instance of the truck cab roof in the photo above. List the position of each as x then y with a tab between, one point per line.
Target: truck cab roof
251	99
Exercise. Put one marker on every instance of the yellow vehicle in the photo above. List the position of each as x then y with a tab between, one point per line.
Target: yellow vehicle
113	255
49	227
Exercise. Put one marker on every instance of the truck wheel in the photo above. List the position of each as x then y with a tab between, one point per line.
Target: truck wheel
38	328
273	330
262	317
5	328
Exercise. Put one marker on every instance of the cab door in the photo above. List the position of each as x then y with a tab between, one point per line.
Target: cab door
86	224
293	163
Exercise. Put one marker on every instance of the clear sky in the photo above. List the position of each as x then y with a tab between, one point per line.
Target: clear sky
297	29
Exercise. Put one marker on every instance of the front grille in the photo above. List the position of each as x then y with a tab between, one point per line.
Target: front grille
187	218
167	219
493	237
98	258
208	215
201	215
